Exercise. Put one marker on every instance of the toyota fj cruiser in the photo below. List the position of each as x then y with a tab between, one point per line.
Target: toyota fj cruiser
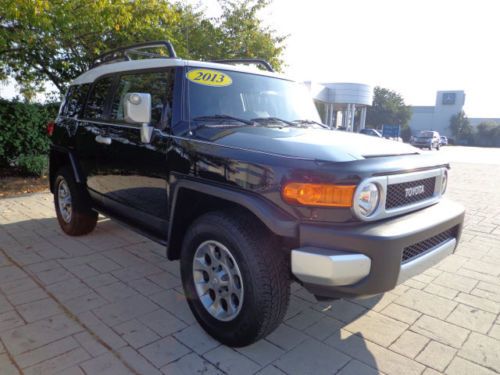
231	169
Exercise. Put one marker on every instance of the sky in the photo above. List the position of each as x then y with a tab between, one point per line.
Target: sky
415	47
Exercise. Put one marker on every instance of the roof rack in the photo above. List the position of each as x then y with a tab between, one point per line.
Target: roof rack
256	62
124	53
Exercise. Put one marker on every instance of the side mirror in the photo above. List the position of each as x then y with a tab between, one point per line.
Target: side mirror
137	110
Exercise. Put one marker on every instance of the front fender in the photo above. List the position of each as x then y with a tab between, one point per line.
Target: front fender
275	219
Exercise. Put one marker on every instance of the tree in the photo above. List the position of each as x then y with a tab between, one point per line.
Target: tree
460	127
44	40
487	134
388	108
244	36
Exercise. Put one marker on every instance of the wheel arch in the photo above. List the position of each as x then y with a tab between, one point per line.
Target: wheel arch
190	199
59	157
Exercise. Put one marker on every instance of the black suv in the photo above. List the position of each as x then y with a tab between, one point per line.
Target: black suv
230	168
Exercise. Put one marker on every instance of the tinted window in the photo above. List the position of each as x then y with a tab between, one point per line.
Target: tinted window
75	100
97	99
426	134
158	84
250	96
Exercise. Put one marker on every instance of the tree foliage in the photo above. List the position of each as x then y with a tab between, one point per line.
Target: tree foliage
388	108
487	134
244	36
44	40
460	127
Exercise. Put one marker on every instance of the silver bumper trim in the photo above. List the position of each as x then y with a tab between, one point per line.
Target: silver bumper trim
429	259
328	267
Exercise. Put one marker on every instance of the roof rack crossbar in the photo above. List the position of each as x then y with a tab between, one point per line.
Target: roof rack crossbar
257	62
122	53
142	53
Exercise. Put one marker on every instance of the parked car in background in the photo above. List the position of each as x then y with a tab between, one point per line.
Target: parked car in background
427	139
443	141
372	132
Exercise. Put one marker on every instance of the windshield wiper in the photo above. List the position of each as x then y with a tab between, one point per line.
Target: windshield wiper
267	120
311	122
222	117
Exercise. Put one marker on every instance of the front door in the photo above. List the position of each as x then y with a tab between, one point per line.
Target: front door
132	176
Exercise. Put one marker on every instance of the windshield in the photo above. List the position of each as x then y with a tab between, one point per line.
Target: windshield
426	134
248	97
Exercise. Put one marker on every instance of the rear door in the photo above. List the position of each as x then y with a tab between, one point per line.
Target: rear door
89	125
132	176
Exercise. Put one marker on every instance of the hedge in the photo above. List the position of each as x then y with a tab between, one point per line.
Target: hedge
24	142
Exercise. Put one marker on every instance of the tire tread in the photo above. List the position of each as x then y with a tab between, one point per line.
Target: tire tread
84	219
269	266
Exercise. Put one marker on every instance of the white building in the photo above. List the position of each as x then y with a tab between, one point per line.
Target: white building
448	103
338	103
343	105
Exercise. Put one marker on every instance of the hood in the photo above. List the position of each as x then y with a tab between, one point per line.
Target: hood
306	143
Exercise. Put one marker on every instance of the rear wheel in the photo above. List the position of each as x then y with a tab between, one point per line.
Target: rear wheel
235	276
72	204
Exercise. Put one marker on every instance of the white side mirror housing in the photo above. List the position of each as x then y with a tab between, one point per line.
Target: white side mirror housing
137	108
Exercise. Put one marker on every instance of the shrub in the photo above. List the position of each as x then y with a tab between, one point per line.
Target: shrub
23	132
406	133
487	134
34	165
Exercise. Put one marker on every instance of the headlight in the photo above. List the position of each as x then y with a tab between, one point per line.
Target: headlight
444	181
367	199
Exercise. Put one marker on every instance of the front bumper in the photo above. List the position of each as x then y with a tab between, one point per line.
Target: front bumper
348	261
422	145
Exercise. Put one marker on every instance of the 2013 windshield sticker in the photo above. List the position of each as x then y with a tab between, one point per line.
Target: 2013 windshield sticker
209	77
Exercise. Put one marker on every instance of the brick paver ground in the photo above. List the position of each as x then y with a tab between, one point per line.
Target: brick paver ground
109	303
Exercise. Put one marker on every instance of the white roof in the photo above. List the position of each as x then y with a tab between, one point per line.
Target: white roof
91	75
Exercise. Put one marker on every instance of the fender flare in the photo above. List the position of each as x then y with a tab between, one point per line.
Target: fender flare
72	162
276	220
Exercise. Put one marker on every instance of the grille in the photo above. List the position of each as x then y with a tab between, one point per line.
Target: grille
421	247
397	196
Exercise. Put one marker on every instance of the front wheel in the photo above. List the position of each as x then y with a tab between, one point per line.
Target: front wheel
235	276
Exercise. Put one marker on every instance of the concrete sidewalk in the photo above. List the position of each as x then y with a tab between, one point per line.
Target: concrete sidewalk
110	303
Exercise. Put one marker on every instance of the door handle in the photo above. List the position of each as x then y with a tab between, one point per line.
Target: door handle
103	140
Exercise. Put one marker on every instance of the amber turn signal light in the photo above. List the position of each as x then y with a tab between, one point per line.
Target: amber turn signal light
324	195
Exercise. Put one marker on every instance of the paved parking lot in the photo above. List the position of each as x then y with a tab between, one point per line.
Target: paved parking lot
109	303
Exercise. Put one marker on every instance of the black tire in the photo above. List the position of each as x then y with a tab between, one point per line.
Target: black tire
438	147
265	272
82	219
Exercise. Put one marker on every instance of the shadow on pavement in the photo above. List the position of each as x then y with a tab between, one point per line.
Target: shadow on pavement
35	241
352	344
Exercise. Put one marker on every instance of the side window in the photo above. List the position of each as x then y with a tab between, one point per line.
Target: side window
69	94
158	84
75	100
97	99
